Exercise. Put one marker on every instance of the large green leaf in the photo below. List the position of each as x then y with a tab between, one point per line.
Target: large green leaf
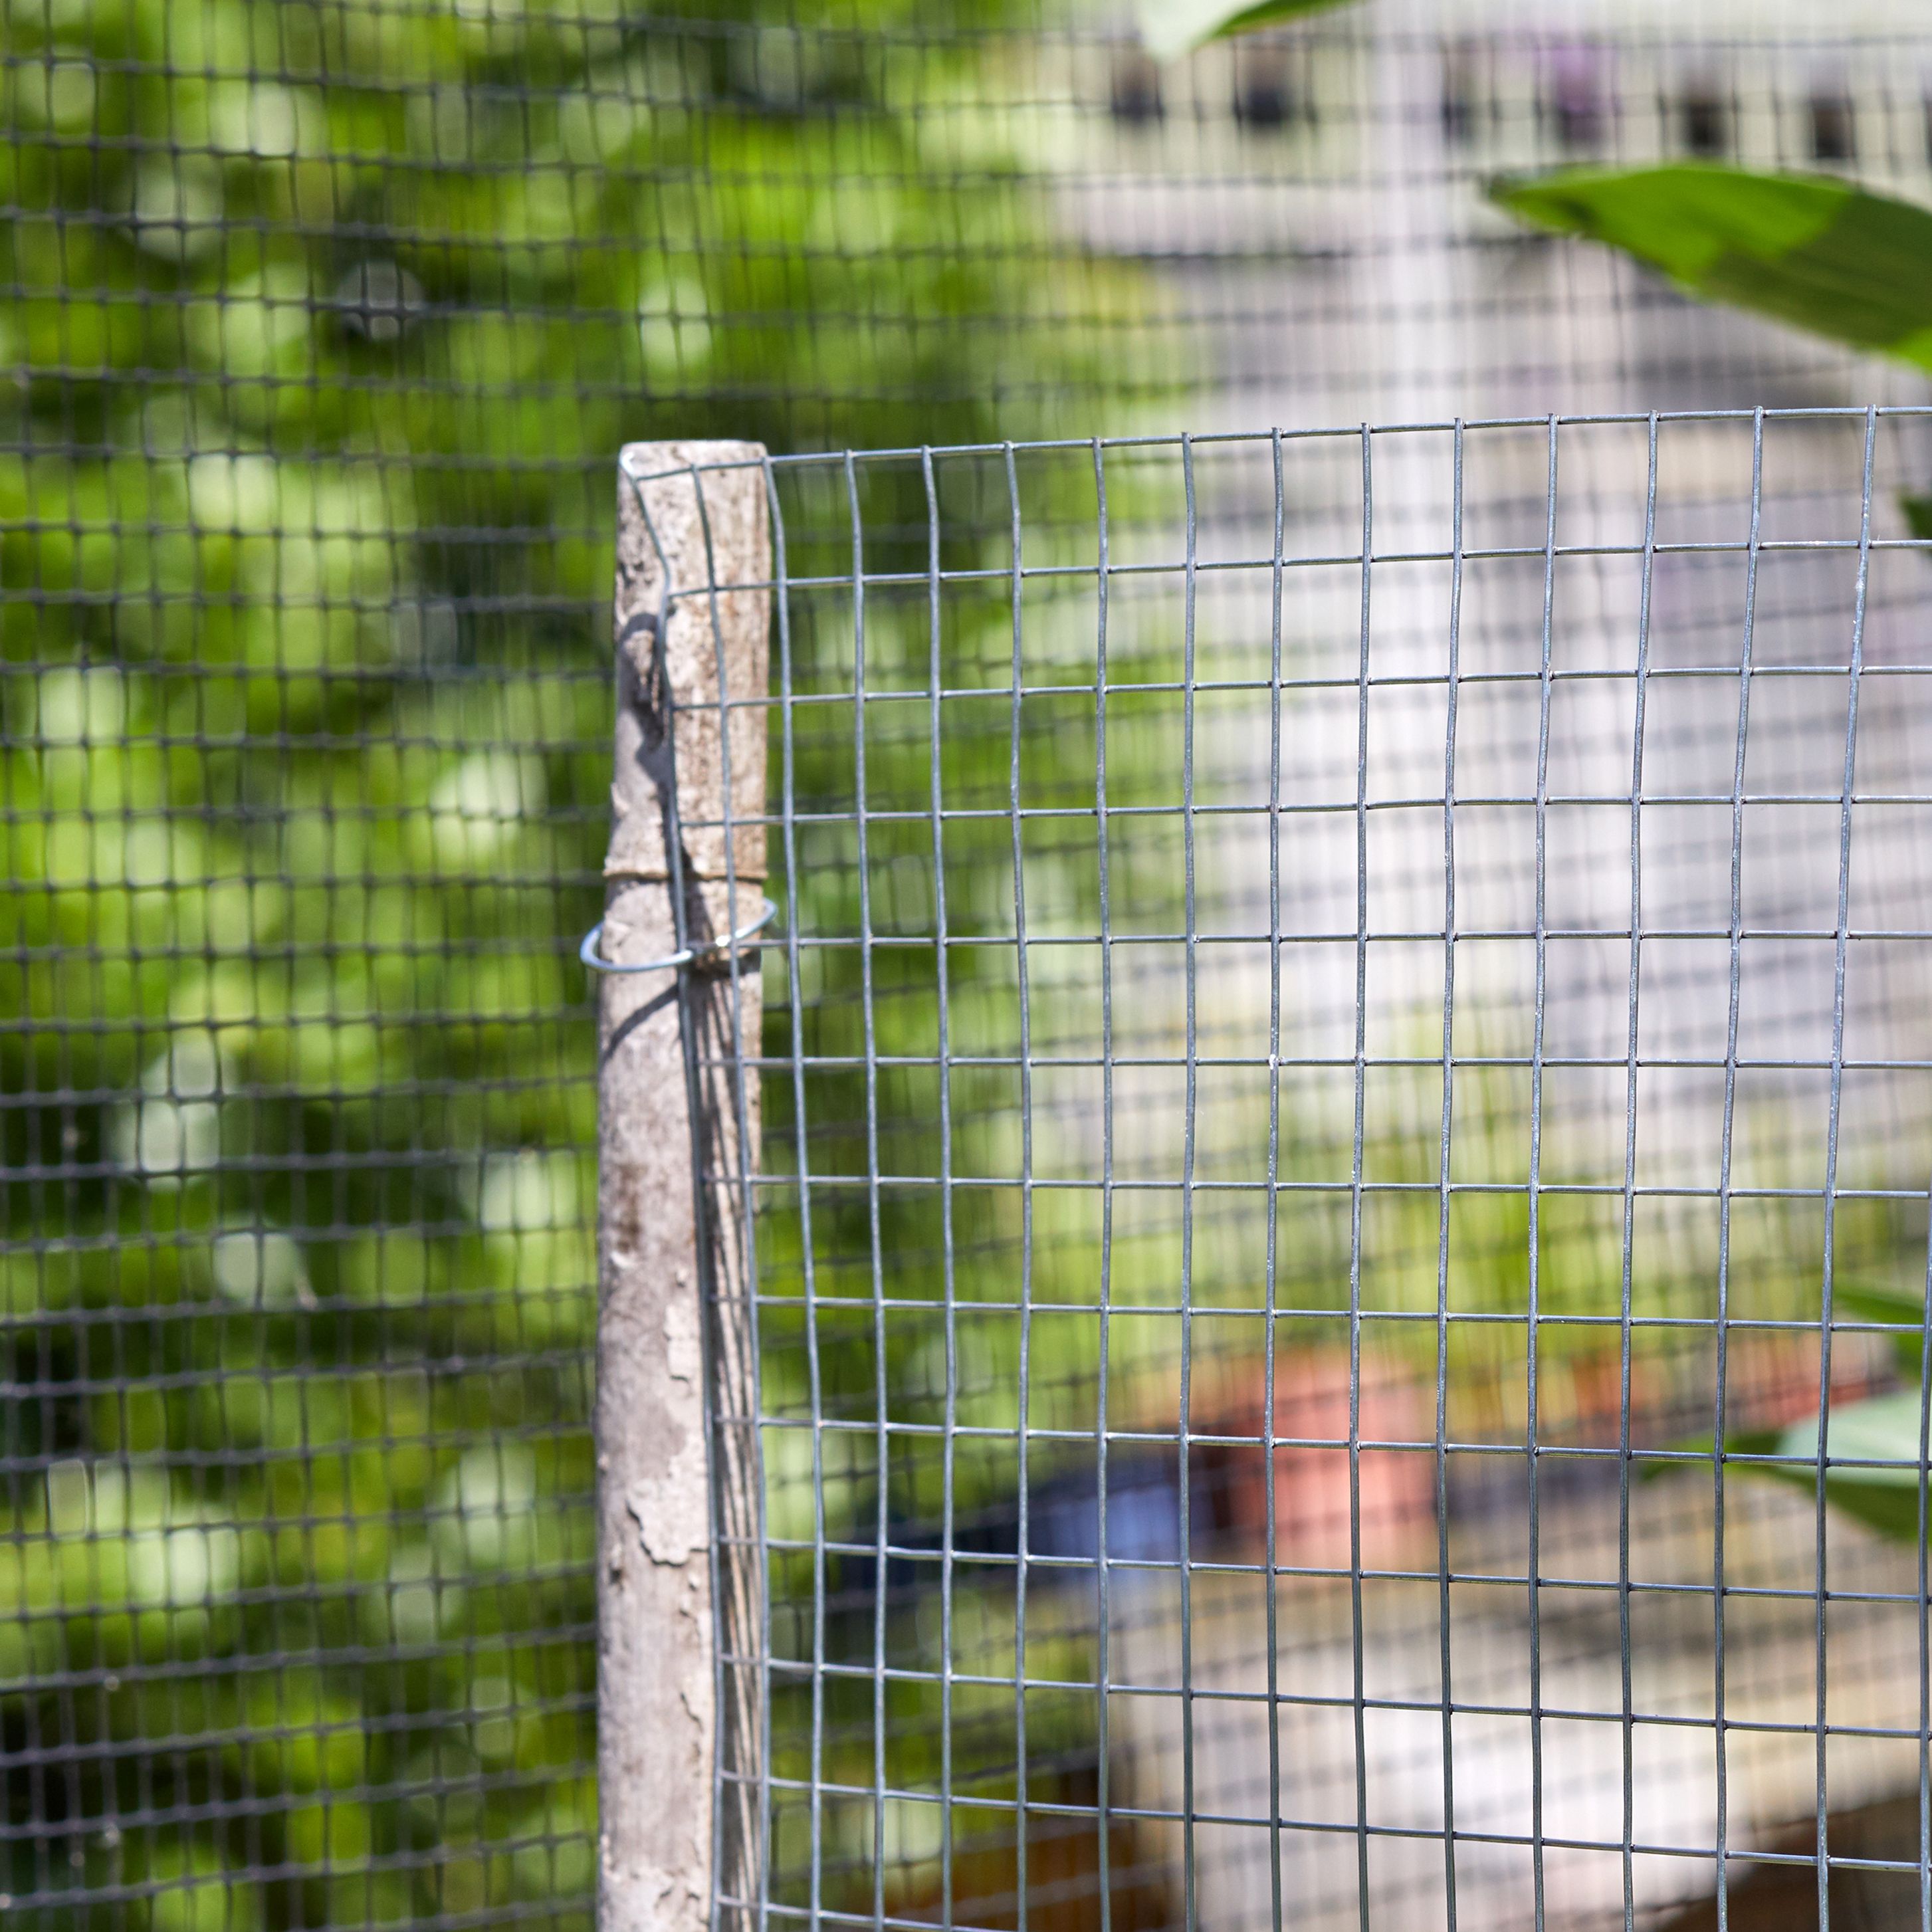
1172	27
1873	1469
1807	249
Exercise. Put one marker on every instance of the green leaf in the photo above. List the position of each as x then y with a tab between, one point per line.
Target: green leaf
1917	514
1807	249
1874	1471
1171	28
1882	1433
1902	1310
1739	1442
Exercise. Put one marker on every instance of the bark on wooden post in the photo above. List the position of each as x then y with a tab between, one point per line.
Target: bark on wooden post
679	1566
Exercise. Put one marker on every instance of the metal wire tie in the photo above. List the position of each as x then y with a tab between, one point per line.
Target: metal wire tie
589	954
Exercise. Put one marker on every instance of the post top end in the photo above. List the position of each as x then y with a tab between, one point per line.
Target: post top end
643	461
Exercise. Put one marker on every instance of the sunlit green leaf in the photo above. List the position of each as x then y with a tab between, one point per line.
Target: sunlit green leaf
1171	28
1805	249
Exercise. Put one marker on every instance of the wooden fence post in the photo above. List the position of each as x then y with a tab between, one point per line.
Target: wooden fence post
679	1582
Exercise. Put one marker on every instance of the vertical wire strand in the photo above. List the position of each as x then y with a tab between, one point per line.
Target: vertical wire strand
1727	1146
1270	1421
1103	1661
1357	1660
1443	1180
1840	947
741	1099
691	1048
881	1396
1026	1210
808	1260
1185	1498
1924	1633
950	1283
1535	1185
1640	696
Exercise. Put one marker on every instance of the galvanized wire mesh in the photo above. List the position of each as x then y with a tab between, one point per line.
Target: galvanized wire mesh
325	323
1315	1060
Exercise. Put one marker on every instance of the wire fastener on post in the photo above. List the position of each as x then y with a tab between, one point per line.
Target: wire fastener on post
597	963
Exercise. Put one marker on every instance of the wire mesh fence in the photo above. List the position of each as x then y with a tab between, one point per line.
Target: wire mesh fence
1313	1068
324	322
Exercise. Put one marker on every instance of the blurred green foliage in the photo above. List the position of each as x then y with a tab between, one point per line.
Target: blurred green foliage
324	323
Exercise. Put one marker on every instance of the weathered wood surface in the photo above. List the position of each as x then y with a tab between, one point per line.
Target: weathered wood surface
678	1570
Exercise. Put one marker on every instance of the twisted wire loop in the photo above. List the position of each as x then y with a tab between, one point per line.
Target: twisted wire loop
687	955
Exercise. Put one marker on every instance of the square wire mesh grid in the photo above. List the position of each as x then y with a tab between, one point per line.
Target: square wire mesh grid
1345	1005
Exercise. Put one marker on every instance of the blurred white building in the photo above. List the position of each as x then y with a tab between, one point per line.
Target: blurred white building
1314	195
1312	201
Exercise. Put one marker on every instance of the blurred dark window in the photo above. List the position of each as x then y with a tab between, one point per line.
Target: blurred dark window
1835	129
1265	96
1704	120
1573	98
1459	103
1136	95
